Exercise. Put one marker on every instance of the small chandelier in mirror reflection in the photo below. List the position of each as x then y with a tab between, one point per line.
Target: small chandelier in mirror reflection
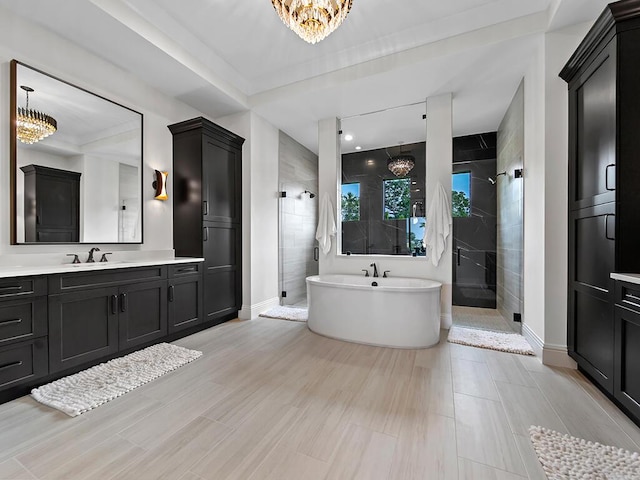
401	164
312	20
31	125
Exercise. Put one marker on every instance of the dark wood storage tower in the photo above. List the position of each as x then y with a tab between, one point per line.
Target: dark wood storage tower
51	204
604	201
207	210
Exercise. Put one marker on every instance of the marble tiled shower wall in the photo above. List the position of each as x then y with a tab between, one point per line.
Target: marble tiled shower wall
509	262
298	171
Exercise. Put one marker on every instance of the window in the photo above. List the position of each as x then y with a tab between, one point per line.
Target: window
461	194
350	204
397	198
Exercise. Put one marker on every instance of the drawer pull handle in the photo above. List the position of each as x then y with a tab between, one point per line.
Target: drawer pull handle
186	270
10	321
205	207
171	293
114	304
606	227
123	302
606	177
10	365
17	288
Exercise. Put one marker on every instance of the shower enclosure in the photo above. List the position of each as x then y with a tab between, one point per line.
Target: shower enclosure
298	218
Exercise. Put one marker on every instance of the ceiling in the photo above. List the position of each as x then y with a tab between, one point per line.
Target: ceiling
228	56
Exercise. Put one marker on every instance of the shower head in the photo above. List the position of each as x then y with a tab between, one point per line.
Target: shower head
494	180
311	194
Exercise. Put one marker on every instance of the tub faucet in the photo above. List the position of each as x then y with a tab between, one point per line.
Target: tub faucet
90	259
375	269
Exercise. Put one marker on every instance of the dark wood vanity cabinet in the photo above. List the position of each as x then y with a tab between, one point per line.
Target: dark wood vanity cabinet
185	296
627	346
51	205
207	210
23	330
604	197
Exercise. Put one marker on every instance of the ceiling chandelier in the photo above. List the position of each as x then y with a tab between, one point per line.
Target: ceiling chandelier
31	125
401	164
312	20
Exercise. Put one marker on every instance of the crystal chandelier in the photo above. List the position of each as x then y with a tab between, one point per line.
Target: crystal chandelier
401	164
312	20
31	125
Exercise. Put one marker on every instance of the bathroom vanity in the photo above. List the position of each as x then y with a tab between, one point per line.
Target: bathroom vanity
57	320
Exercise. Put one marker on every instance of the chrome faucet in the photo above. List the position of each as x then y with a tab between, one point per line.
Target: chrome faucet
90	259
375	269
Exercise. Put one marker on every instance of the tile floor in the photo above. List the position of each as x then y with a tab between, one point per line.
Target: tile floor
483	318
271	400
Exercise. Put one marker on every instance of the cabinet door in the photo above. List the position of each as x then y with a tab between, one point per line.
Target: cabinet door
222	268
57	216
185	302
591	261
142	313
593	127
221	182
83	326
627	359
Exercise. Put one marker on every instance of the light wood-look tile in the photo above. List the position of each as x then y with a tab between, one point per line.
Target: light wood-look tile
475	471
362	454
583	417
527	406
506	367
473	378
484	435
154	429
271	400
12	470
529	458
248	445
100	461
426	449
178	453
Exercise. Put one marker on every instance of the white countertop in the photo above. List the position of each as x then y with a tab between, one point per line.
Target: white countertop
22	271
627	277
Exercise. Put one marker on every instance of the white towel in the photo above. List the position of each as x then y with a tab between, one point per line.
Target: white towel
326	224
438	224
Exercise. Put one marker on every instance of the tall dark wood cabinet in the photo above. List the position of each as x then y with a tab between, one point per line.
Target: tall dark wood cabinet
51	204
207	210
604	186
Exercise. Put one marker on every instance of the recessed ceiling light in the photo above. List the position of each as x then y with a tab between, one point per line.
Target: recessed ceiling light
370	162
358	147
348	137
413	183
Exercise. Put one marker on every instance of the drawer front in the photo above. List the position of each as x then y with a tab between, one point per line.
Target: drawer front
22	362
628	295
23	319
19	287
72	282
183	269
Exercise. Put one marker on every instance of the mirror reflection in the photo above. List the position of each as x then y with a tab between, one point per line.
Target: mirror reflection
77	164
383	182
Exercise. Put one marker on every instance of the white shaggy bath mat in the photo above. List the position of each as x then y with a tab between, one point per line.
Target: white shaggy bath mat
90	388
504	342
564	457
287	313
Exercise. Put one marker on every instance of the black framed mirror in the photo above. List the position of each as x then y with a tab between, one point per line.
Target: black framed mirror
76	163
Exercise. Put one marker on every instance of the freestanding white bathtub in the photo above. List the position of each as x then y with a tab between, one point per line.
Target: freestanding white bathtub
397	312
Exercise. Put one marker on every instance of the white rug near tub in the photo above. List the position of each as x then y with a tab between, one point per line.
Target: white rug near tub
564	457
287	313
504	342
90	388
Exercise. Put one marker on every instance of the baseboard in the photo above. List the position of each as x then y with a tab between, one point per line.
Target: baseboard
252	311
534	340
557	356
446	320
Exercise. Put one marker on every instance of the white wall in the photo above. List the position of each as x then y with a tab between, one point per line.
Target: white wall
57	56
439	163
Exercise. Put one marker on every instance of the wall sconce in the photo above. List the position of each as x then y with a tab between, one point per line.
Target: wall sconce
160	185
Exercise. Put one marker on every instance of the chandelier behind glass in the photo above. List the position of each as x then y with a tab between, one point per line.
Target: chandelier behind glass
312	20
401	164
31	125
